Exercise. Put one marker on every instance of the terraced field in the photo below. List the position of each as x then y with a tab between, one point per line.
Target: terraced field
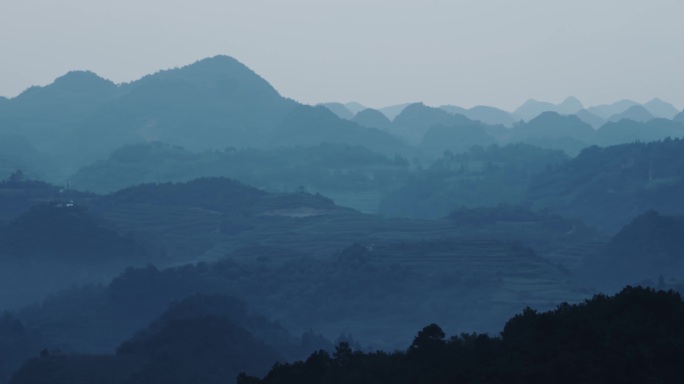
374	291
285	246
362	201
312	264
572	256
314	226
508	273
180	230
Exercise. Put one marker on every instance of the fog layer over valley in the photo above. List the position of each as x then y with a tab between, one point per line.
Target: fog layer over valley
195	224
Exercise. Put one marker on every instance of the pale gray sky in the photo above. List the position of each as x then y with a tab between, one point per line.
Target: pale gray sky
492	52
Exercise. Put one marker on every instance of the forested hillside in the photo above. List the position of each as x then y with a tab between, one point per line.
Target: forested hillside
633	336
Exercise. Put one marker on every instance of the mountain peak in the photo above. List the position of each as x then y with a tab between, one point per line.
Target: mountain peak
660	108
552	119
73	82
219	63
533	108
372	118
80	78
679	117
569	106
215	71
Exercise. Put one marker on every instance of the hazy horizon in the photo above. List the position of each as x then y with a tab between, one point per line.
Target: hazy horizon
463	53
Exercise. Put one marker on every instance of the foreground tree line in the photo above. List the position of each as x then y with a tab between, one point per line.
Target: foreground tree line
636	336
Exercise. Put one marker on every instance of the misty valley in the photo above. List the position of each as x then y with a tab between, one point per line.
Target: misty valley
195	226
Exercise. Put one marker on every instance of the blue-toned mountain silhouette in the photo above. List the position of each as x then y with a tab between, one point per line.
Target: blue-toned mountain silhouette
636	113
355	107
605	111
372	118
533	108
339	109
416	119
484	114
211	104
660	108
590	118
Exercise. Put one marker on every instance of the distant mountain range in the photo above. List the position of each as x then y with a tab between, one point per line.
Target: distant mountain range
595	116
484	114
532	108
214	103
53	131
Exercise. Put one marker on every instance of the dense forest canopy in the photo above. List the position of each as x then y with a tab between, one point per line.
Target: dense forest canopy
634	336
